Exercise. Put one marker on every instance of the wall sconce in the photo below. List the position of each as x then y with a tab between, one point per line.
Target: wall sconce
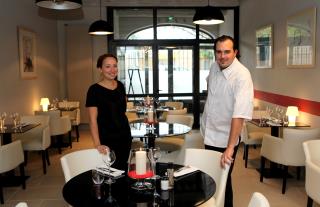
59	4
292	113
44	102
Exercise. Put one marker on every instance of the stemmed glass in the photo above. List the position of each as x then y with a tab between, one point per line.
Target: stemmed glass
15	117
2	119
109	158
155	155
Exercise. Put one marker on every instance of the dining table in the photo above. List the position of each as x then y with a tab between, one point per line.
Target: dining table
191	189
149	132
9	130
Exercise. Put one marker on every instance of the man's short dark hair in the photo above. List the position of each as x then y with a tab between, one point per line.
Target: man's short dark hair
222	39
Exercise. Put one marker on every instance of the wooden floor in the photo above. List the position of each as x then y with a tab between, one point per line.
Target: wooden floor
45	190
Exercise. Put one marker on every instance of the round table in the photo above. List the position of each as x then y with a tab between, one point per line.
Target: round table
189	190
161	129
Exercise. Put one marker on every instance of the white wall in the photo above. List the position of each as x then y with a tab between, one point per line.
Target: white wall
298	83
17	95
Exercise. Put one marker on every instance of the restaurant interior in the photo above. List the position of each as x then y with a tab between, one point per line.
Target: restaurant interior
49	59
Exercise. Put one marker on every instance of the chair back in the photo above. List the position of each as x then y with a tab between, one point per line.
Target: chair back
312	154
178	111
293	148
22	204
258	200
174	104
80	161
11	156
180	119
130	105
37	138
200	158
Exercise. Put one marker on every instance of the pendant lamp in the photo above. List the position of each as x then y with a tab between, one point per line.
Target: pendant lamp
100	27
208	15
59	4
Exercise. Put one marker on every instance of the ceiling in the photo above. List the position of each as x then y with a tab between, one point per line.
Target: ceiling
162	3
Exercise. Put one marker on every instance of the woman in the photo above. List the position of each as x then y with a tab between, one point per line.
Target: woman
106	103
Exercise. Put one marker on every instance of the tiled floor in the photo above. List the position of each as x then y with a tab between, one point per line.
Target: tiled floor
45	190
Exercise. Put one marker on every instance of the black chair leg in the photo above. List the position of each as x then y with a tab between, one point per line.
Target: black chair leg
244	152
284	182
47	156
70	139
77	132
22	175
262	163
59	143
246	156
43	155
310	202
1	192
25	158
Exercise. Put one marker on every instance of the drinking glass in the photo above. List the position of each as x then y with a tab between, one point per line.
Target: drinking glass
109	158
155	155
97	177
2	119
15	117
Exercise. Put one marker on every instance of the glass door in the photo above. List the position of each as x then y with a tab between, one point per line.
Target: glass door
175	65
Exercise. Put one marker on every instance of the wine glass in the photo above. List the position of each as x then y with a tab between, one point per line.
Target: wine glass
155	155
2	119
14	116
109	158
97	177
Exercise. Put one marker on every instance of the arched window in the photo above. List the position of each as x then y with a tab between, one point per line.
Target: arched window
169	31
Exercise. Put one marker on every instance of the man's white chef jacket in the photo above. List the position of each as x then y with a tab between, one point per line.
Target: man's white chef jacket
230	95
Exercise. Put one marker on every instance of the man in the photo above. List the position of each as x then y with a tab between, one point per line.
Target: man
229	102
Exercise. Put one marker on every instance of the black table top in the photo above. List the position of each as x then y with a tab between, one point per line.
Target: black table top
162	129
266	124
189	190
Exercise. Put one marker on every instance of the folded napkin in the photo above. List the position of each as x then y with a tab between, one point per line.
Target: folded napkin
184	170
113	171
271	123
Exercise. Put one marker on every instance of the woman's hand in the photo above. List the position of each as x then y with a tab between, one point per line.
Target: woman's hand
103	149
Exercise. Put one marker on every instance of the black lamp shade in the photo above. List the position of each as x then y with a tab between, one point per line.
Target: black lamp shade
100	27
59	4
208	15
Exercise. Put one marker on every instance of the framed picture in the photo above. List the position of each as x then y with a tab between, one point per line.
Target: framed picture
264	47
301	29
27	53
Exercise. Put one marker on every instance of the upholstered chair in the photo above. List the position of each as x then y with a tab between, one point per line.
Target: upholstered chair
312	153
286	151
258	200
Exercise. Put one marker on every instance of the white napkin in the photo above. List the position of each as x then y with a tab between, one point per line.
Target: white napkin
113	171
271	123
184	170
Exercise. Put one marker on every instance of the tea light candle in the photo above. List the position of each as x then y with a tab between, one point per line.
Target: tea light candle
141	159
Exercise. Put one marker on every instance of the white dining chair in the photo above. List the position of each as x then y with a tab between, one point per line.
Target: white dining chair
22	204
208	161
80	161
312	185
286	151
11	156
258	200
36	139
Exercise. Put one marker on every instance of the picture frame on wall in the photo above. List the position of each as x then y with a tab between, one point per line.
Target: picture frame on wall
264	47
301	29
27	53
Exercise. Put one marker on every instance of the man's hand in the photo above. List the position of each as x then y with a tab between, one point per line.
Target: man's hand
226	157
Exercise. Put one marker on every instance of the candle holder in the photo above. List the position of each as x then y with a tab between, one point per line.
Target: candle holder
140	169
